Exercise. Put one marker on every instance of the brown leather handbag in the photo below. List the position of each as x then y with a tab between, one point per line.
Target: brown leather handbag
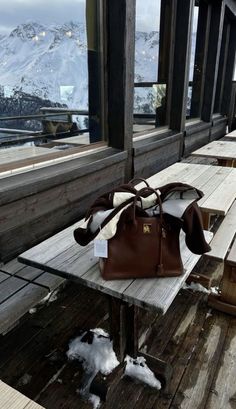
143	246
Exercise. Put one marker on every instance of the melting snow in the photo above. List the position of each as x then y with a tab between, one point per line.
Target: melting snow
95	350
138	369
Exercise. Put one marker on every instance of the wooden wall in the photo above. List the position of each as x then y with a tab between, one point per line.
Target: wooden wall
37	204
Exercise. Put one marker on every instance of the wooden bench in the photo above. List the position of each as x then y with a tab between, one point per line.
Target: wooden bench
12	399
62	256
21	288
224	249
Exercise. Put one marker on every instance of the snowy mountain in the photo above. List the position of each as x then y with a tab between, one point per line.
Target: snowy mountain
50	64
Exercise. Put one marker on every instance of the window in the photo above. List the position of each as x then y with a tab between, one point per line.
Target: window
50	77
150	86
193	63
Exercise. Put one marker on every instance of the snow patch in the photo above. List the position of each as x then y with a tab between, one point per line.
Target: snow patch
214	290
94	349
50	297
138	369
209	313
32	310
195	287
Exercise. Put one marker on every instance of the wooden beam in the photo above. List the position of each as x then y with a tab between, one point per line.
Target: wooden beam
165	40
121	45
200	58
229	71
94	70
180	76
166	50
222	66
213	55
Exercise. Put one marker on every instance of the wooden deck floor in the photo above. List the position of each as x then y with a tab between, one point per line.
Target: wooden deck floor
201	345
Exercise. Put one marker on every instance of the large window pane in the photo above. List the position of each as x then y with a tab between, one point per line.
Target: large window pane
150	87
192	59
49	72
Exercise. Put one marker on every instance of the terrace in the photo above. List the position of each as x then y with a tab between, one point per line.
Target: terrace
144	101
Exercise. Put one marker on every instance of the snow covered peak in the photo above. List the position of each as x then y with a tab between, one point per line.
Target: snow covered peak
27	31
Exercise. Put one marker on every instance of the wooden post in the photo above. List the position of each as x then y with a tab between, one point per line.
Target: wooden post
121	45
200	58
222	66
212	59
179	89
166	50
94	72
229	70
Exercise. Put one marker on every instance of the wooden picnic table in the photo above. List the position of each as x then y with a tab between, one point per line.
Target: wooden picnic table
223	151
62	256
216	182
231	135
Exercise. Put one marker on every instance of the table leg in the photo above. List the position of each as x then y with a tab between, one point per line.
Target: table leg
226	162
124	333
226	300
206	218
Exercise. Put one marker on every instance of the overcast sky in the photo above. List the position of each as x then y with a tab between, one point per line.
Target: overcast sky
14	12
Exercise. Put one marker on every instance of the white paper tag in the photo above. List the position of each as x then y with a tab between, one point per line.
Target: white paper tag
100	248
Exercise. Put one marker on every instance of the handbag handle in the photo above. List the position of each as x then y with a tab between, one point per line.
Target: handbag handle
146	190
140	180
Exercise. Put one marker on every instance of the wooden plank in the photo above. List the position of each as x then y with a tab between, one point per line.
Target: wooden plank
180	171
14	267
12	399
10	287
222	393
231	135
3	276
61	196
20	237
53	246
224	236
15	307
231	259
45	178
217	149
224	195
196	382
49	280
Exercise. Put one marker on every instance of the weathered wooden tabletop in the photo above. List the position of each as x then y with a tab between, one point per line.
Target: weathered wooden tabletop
218	184
217	149
61	255
231	135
